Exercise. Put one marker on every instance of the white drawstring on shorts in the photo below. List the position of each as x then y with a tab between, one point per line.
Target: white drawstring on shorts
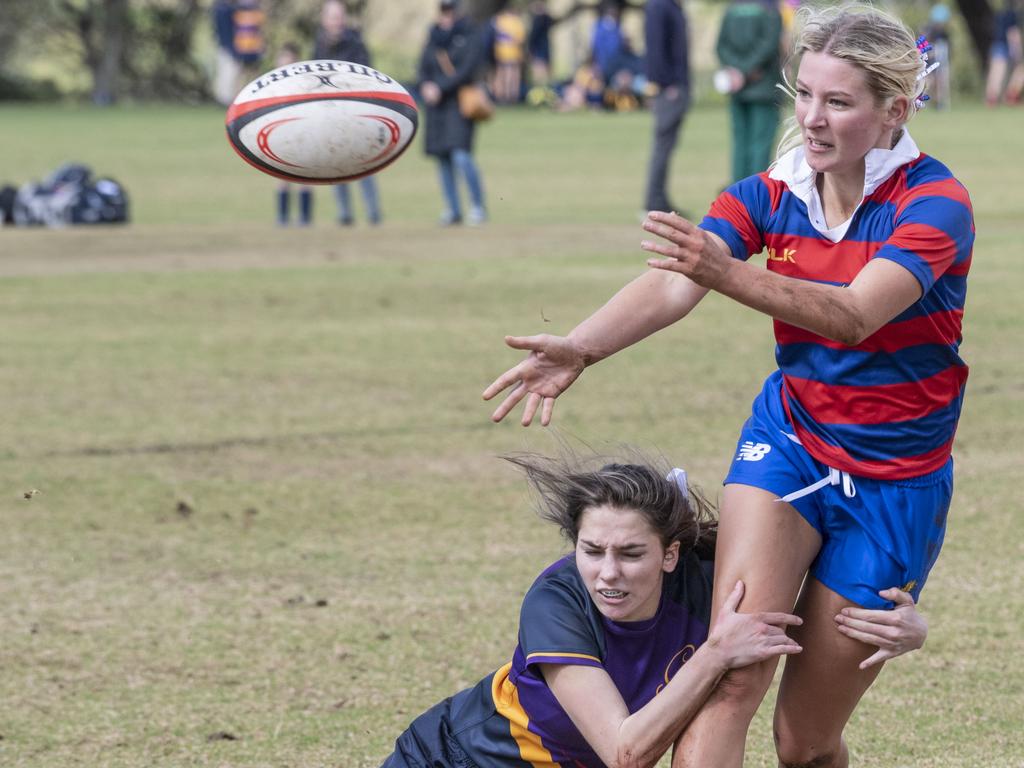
834	478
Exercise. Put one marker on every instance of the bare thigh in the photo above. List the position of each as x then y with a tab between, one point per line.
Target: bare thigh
765	543
768	545
821	686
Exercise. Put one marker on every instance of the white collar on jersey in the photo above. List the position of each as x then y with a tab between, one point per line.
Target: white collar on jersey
879	165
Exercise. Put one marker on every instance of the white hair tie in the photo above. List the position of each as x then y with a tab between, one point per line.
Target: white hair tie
678	476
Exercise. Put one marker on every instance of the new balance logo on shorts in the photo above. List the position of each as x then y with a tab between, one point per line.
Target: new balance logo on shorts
753	451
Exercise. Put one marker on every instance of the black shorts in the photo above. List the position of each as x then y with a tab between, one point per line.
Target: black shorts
428	743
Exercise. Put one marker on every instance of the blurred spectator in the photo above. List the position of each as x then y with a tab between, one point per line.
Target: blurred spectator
336	39
668	71
787	10
607	40
226	67
289	54
748	49
622	94
249	44
538	43
1005	55
452	56
586	89
937	32
238	29
509	55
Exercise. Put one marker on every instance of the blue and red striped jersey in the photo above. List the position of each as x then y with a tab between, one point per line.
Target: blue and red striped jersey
888	407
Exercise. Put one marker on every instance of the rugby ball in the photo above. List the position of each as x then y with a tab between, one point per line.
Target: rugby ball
321	122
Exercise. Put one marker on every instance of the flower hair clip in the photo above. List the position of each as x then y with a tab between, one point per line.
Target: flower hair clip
923	48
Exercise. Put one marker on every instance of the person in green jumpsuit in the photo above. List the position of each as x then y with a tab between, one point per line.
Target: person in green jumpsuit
749	44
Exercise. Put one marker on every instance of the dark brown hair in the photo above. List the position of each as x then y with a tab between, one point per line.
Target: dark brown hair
565	488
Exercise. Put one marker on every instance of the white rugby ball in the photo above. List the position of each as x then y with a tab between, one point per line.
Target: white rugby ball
322	122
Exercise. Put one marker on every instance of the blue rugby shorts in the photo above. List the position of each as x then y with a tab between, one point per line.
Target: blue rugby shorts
875	534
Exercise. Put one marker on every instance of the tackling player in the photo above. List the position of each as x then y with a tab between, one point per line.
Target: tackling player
614	656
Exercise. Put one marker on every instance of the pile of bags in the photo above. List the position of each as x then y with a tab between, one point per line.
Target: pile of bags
69	196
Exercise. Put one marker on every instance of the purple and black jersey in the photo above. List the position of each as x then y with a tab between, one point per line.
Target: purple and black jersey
512	720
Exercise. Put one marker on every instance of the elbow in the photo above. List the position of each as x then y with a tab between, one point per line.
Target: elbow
855	333
627	756
849	327
850	336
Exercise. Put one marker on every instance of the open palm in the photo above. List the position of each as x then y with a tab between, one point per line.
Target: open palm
553	364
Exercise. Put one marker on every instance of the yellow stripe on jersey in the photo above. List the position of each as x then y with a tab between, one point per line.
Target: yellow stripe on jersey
566	655
506	701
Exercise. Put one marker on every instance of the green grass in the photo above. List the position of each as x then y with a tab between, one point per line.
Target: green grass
227	423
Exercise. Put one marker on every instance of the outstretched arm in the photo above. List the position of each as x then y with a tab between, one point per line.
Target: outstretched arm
847	314
894	632
639	740
649	303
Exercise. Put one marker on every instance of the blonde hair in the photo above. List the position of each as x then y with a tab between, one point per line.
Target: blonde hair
875	42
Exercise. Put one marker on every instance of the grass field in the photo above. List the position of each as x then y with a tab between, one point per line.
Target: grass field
270	526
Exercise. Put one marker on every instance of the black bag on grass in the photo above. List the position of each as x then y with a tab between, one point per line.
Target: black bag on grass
69	196
7	195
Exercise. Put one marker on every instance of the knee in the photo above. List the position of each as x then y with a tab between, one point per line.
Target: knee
797	751
745	687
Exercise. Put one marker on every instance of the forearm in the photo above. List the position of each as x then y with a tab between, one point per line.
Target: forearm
649	732
827	310
649	303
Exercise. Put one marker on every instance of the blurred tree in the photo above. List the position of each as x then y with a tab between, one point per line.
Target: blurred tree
21	19
17	15
140	48
101	27
161	63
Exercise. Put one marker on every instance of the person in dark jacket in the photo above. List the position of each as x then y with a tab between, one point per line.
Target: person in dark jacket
451	57
668	70
335	39
226	68
748	48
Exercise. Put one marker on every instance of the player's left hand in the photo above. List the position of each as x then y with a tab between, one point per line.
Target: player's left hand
894	632
687	249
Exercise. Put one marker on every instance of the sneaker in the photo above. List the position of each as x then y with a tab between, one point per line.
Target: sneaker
449	219
477	217
345	221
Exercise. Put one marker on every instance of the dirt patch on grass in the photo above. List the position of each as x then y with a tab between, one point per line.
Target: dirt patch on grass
165	249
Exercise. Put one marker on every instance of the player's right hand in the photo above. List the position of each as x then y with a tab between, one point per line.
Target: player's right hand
553	364
741	639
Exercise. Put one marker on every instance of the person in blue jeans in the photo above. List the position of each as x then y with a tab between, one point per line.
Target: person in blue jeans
337	40
289	54
450	59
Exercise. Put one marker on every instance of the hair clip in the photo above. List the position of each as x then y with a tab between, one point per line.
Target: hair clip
923	47
678	476
927	70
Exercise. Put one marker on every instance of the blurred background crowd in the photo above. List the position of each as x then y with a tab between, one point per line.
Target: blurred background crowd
563	54
560	55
